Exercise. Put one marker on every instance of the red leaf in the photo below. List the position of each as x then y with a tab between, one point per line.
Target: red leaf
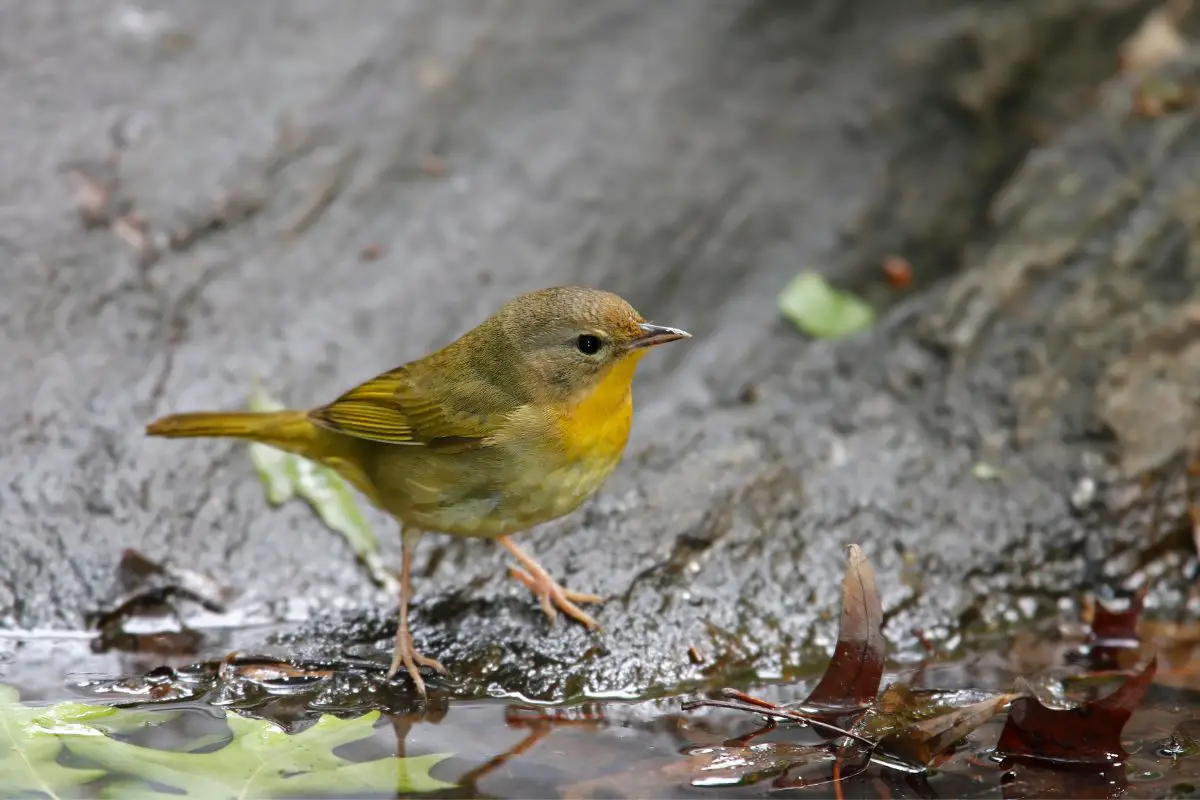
1090	733
852	678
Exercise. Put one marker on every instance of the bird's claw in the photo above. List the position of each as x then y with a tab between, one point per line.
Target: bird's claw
553	597
406	655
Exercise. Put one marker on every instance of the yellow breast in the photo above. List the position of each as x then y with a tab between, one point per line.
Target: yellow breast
595	427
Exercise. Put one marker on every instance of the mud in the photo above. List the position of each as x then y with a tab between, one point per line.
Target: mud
307	199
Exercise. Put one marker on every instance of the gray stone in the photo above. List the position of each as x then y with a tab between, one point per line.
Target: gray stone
689	156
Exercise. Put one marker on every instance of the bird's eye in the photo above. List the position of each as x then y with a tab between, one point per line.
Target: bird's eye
588	344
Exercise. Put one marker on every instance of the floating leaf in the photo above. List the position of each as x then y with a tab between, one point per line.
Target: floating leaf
852	678
921	742
285	476
1090	733
262	760
30	746
822	311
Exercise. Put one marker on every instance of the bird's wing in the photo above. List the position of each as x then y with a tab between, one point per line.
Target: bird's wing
391	408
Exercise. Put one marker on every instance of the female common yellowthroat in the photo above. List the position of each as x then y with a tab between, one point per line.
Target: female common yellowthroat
514	424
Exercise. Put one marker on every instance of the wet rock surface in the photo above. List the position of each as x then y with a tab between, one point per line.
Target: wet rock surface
309	199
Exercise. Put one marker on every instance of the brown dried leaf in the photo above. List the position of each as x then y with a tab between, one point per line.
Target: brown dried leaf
920	743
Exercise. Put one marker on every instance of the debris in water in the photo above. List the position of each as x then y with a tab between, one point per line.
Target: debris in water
918	744
145	618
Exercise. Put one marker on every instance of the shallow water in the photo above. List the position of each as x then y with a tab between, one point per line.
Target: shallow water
651	748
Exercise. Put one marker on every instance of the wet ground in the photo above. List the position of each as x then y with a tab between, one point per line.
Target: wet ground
207	196
610	747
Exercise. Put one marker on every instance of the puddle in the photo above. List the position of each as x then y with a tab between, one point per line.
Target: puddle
606	748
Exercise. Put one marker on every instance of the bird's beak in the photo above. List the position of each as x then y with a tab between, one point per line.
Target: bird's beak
657	334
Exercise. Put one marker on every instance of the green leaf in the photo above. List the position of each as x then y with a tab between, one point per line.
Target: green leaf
821	311
264	761
285	476
273	466
333	501
30	744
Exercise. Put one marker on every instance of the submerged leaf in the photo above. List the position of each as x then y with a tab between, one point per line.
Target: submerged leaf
852	678
30	746
285	476
264	761
822	311
1090	733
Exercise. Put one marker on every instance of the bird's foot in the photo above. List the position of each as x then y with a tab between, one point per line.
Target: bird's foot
554	597
406	655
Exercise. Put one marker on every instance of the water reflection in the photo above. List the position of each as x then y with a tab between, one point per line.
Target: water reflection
610	748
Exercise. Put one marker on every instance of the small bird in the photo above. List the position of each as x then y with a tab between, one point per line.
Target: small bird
514	424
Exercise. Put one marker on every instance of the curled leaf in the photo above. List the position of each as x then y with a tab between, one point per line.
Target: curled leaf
852	678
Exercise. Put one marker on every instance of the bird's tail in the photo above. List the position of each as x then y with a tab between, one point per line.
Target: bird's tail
286	430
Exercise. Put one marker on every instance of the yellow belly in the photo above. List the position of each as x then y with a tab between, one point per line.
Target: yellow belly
546	466
489	501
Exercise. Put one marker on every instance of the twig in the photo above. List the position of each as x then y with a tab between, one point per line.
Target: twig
734	694
781	713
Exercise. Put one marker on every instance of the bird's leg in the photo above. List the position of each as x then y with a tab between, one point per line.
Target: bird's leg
404	653
549	592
